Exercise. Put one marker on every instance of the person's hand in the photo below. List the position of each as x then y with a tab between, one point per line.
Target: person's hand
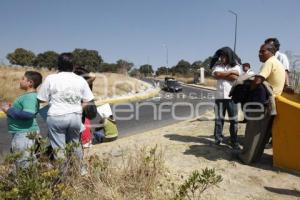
288	89
91	78
4	106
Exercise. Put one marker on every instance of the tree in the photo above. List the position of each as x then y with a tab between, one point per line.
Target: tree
21	57
47	59
146	70
108	67
124	66
89	59
162	71
196	66
183	67
134	72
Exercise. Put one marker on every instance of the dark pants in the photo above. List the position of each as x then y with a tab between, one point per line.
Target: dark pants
257	134
221	106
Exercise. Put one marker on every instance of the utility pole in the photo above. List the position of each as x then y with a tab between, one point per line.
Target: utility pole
167	57
235	31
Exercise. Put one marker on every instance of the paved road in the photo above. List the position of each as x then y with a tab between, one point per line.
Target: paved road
167	109
153	113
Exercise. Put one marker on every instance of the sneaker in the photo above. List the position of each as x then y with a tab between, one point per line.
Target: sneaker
218	142
235	146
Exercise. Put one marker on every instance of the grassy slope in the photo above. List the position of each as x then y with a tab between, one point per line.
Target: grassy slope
105	85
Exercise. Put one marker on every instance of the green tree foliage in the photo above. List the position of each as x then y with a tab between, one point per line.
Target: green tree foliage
197	183
21	57
146	70
134	72
183	67
108	67
196	66
124	66
162	71
47	59
89	59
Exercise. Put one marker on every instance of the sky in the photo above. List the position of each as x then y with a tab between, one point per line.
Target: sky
143	31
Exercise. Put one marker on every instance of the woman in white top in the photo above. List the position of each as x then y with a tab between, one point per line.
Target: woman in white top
226	71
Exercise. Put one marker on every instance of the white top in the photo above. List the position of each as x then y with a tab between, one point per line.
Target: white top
224	86
283	59
249	72
64	92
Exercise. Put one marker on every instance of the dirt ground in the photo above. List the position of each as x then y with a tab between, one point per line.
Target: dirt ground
189	146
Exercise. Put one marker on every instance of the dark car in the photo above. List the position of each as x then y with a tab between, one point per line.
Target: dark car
172	86
169	78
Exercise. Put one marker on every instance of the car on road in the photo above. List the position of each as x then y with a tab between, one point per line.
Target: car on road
171	85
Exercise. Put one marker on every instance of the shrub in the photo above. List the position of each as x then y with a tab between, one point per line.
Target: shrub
135	177
197	183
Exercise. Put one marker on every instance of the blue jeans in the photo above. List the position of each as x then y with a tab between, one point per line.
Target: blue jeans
21	144
98	136
65	129
221	106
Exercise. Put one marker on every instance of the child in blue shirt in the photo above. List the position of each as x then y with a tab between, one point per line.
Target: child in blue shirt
21	116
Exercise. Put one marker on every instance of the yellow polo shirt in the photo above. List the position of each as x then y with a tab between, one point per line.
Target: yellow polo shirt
273	71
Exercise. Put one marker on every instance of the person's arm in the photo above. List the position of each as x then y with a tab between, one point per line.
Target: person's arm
228	75
287	81
4	108
91	78
257	81
285	61
19	114
44	93
87	94
262	75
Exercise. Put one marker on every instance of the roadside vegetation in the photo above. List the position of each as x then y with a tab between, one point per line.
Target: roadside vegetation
139	174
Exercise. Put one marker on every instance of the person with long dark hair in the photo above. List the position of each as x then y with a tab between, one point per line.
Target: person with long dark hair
226	69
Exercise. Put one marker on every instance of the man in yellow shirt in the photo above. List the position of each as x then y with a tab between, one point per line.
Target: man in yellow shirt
259	130
272	70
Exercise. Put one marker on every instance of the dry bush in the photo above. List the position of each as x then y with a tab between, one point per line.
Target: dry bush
137	176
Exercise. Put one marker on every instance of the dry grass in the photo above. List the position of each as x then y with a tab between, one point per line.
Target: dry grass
110	84
9	81
210	82
137	175
106	84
